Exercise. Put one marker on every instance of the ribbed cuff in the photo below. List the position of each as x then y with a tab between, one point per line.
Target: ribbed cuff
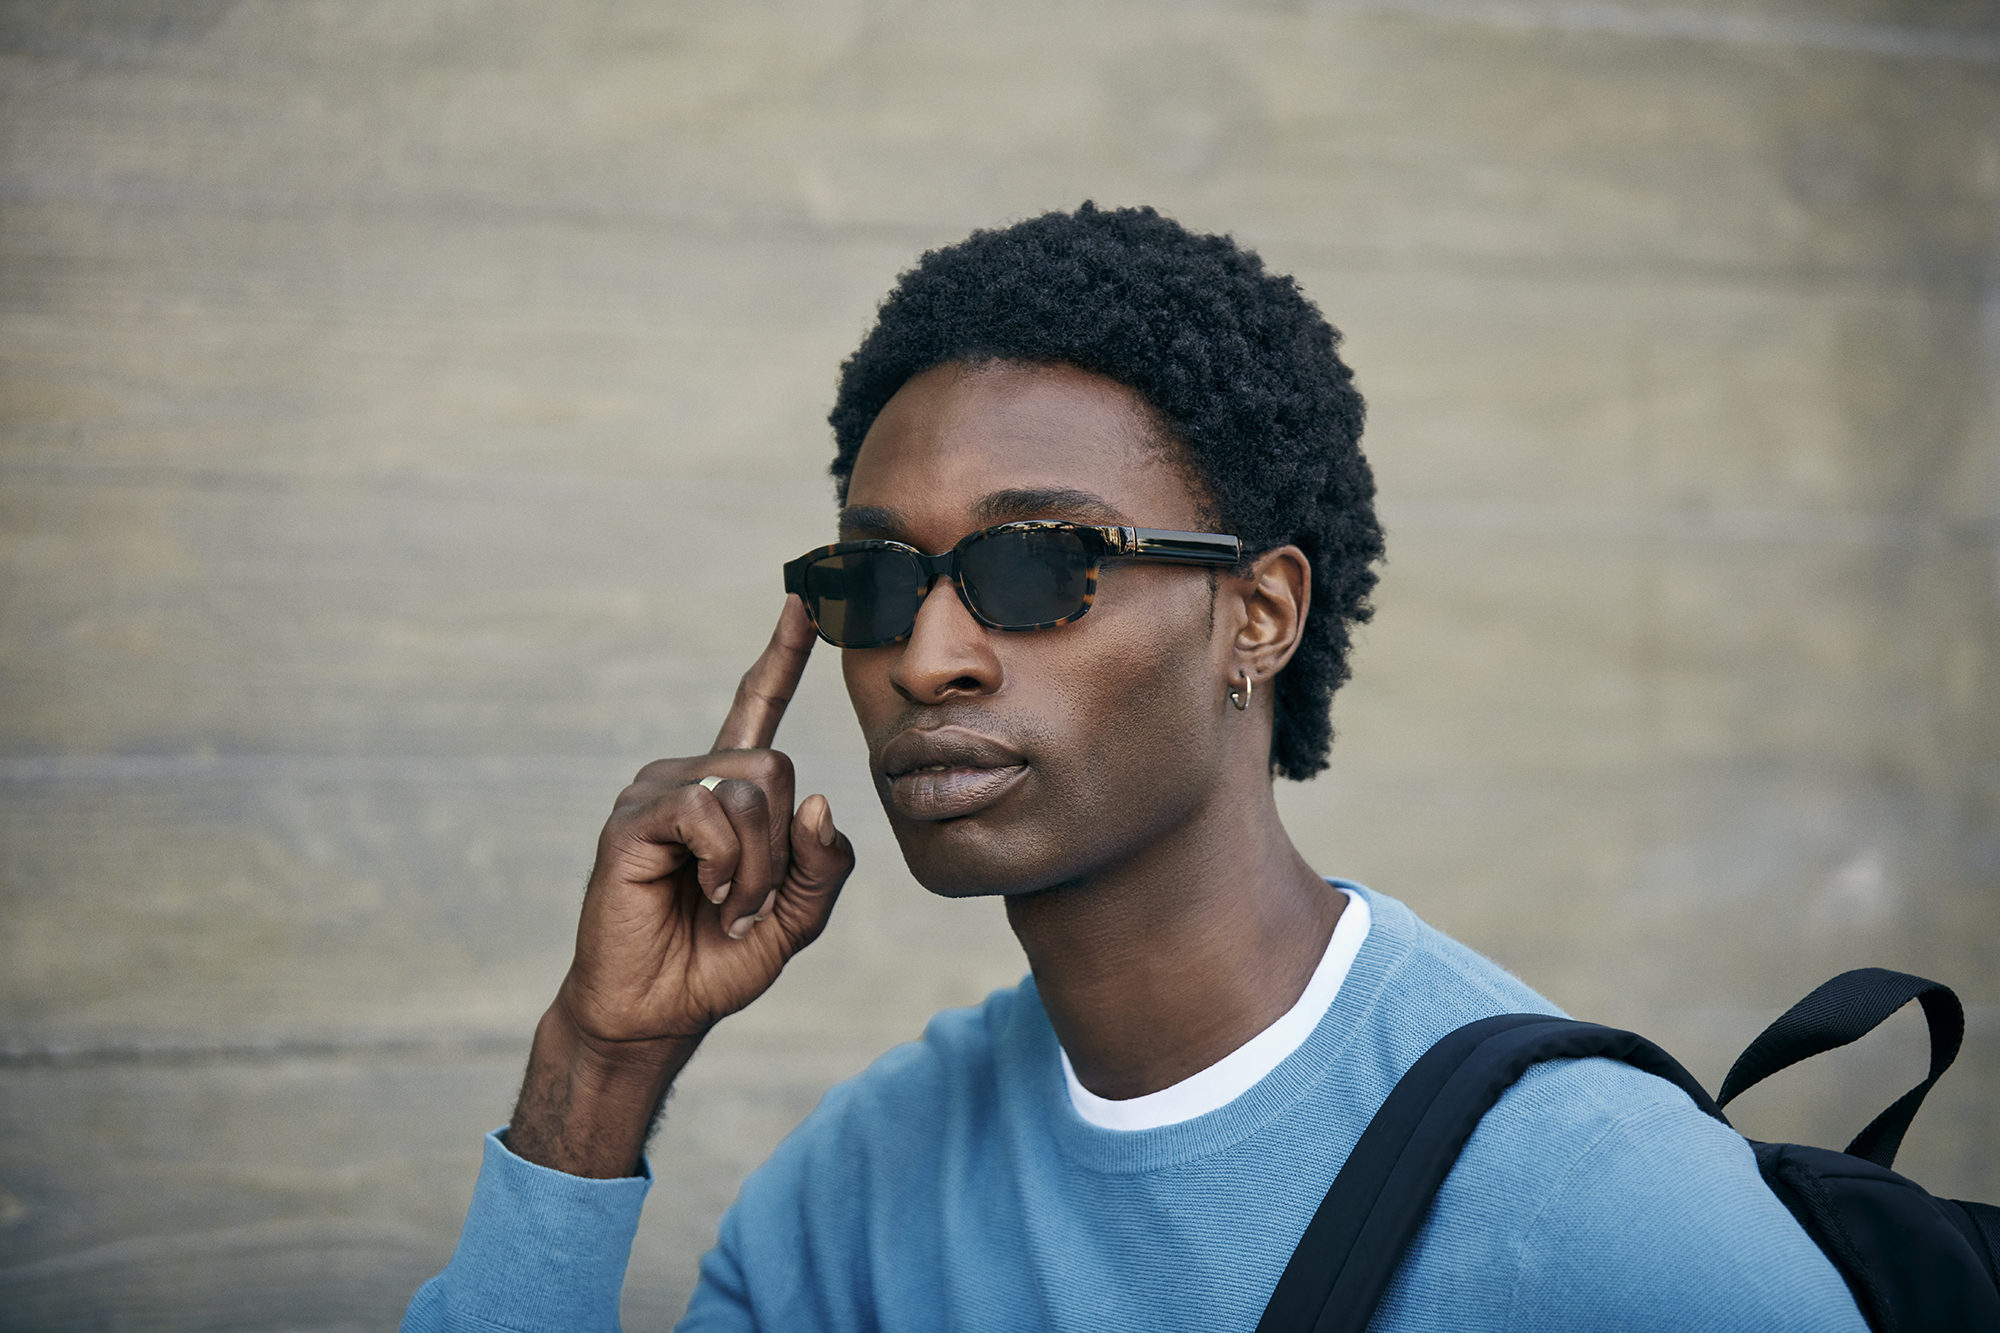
541	1250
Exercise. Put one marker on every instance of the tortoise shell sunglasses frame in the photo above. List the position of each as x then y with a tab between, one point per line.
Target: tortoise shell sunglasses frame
1160	545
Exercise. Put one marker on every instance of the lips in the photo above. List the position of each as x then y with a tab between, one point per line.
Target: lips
948	773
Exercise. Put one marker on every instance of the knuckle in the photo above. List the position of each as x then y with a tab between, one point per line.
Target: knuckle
635	804
770	766
740	796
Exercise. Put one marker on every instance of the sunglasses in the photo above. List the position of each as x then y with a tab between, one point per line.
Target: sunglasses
1018	576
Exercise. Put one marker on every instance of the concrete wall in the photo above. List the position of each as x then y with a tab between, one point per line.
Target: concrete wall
407	407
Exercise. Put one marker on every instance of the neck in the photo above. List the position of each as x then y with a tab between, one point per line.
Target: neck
1157	967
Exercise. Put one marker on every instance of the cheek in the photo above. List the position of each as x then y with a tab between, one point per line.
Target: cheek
1118	714
1139	706
866	672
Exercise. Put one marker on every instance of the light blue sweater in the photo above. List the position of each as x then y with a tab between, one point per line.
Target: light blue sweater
952	1186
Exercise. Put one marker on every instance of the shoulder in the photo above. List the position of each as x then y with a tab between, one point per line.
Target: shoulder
1592	1195
1409	985
1421	958
1567	1116
1607	1199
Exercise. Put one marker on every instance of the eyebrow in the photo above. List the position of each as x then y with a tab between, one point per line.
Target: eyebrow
869	518
997	507
1045	502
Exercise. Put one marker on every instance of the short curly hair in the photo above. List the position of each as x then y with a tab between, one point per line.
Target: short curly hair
1239	365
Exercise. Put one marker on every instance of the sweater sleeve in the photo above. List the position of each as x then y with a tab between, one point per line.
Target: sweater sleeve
1649	1227
541	1251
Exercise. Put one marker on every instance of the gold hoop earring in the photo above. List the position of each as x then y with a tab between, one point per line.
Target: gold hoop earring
1241	698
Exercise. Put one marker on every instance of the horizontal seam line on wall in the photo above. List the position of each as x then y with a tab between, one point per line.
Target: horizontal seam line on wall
587	769
1643	22
753	228
1690	25
54	1056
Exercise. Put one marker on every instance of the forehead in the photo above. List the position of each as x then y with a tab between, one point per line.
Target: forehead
957	435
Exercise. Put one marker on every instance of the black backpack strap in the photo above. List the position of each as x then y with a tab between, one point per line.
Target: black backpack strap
1383	1192
1848	1007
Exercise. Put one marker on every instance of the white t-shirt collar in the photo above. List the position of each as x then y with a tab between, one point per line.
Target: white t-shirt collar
1240	1070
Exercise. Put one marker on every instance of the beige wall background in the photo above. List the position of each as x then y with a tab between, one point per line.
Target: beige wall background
405	408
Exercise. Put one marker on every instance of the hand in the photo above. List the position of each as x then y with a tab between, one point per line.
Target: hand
698	899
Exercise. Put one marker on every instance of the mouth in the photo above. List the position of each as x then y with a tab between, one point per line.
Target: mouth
948	773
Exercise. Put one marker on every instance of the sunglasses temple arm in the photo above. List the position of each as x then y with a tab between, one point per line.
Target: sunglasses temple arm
1193	548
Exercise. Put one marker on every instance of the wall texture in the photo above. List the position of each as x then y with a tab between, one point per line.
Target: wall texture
405	408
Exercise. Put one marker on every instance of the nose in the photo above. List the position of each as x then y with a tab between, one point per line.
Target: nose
948	654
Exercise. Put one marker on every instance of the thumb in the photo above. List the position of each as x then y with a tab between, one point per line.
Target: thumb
822	859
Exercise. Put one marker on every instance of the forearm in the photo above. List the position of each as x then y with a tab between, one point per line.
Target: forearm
586	1105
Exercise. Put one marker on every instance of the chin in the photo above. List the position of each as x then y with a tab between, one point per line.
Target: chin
958	859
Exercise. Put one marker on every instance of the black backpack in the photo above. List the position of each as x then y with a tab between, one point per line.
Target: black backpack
1913	1262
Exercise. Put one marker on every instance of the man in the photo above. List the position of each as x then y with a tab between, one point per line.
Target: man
1083	713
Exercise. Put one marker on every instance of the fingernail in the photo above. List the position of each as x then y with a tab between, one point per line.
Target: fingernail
826	833
741	927
770	902
720	891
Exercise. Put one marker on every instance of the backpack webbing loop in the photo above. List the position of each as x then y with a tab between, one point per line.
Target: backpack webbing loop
1844	1009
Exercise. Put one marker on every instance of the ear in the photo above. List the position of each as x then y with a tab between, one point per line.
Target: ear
1276	594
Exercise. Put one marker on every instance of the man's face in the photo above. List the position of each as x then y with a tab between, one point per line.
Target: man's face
1016	761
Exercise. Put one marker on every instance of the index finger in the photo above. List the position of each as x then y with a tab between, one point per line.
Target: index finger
767	687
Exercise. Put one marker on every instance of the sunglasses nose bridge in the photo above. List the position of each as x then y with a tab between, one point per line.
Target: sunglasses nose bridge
944	565
931	568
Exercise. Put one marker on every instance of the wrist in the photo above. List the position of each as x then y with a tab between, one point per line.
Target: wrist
587	1104
611	1066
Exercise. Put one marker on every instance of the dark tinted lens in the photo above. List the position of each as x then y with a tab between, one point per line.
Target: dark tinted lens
1030	577
864	597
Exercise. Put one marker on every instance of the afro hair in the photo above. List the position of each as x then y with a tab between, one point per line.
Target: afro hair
1240	366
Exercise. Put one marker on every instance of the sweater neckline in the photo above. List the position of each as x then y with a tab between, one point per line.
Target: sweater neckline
1242	1069
1035	1088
